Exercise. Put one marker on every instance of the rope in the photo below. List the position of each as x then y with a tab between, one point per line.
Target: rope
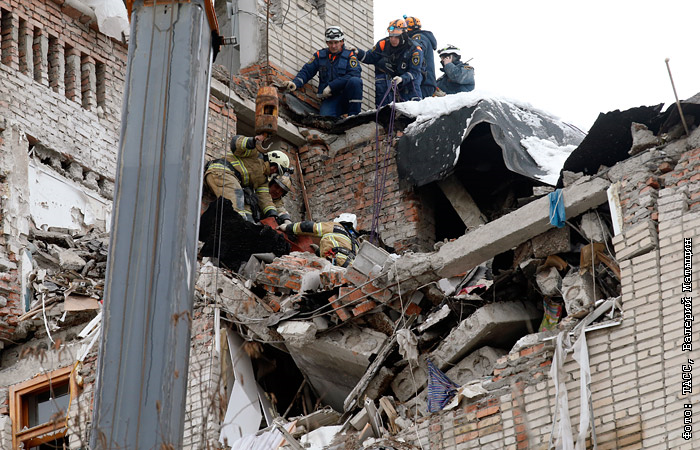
382	169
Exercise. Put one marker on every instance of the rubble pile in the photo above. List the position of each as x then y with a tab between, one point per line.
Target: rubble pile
373	341
66	280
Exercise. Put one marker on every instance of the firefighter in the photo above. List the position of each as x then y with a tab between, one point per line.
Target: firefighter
280	185
428	43
458	76
338	242
398	60
339	82
247	165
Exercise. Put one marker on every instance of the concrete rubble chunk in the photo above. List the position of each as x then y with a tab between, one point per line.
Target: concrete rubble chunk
593	228
549	282
297	332
496	324
411	380
235	299
577	290
67	259
478	364
344	352
556	240
642	138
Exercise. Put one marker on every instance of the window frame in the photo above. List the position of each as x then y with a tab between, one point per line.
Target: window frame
19	413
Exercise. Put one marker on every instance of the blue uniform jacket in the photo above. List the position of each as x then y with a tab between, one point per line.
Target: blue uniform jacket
406	60
457	78
333	70
428	43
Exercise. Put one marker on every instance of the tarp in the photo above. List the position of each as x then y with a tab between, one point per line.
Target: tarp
431	151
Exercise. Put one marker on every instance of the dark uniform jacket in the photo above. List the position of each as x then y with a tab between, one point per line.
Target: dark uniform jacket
428	43
458	77
405	60
333	70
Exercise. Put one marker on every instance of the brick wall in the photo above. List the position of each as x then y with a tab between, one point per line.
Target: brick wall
344	181
636	367
203	411
62	81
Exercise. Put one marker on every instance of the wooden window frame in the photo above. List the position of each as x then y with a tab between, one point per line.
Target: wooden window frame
19	414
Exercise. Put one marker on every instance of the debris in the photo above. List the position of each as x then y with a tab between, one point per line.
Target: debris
577	291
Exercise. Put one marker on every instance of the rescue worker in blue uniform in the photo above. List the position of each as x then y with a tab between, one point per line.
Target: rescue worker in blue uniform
428	43
338	239
398	60
246	165
458	76
339	82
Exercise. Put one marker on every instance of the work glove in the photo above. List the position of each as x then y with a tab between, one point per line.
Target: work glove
326	92
282	219
439	93
397	80
385	66
284	227
290	86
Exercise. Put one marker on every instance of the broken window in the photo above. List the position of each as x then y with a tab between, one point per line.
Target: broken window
38	409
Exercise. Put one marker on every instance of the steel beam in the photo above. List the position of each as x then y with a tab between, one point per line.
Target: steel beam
144	348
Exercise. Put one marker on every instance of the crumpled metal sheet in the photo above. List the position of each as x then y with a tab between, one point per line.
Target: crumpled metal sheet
432	153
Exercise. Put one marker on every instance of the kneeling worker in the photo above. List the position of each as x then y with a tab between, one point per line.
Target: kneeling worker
339	82
338	238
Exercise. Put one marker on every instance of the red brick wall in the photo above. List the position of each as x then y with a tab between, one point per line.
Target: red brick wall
345	182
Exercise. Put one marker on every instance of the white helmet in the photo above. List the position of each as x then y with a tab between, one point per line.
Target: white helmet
450	50
347	218
334	33
279	158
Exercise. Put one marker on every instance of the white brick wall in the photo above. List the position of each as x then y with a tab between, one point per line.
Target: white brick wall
294	40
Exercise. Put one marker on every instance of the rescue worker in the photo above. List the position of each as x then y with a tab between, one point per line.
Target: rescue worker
339	82
280	185
428	43
338	242
247	165
458	76
398	60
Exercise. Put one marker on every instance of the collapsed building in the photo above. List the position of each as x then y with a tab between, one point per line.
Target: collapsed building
506	300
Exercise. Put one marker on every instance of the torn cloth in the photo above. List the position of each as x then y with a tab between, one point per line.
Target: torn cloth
440	388
557	213
562	429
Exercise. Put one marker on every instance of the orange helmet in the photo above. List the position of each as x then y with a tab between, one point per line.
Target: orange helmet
413	23
397	27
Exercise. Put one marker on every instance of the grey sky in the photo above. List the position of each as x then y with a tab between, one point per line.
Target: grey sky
572	59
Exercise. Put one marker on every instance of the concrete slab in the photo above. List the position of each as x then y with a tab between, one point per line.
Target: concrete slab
496	324
462	202
411	380
336	361
478	364
512	229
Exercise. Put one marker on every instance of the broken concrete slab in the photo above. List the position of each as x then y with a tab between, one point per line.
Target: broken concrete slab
297	332
577	291
642	138
347	348
549	282
501	235
498	324
593	228
478	364
67	259
411	380
551	242
235	299
462	202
